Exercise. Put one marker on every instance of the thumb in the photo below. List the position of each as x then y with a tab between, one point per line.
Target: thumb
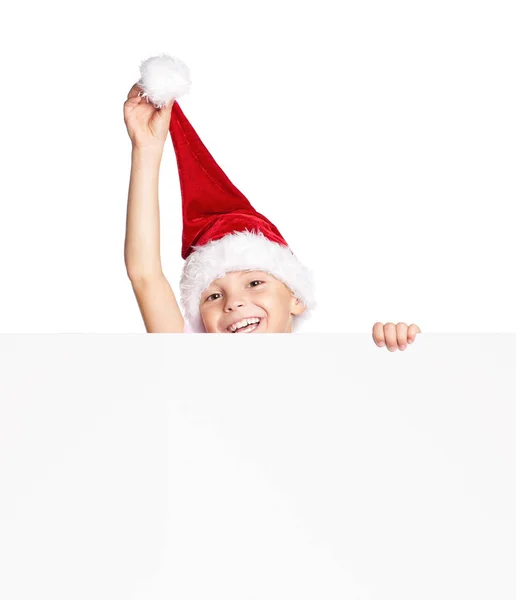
166	110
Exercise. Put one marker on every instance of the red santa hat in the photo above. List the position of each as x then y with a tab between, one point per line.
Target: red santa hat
222	232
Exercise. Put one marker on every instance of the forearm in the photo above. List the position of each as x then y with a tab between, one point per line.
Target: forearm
142	239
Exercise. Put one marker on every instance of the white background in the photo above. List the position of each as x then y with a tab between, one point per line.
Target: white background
378	137
129	472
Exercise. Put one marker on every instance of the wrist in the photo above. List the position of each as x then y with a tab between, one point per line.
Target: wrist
146	158
150	151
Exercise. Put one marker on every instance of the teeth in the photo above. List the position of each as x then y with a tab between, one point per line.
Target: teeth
249	329
243	323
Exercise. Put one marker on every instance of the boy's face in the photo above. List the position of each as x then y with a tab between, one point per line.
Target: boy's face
241	294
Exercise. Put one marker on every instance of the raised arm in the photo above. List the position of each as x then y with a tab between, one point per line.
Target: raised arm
147	128
156	300
158	305
142	236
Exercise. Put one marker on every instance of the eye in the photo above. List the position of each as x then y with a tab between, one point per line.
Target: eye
217	294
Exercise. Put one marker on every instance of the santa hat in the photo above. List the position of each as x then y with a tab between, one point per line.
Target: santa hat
222	232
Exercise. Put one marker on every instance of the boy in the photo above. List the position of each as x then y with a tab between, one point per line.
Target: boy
223	259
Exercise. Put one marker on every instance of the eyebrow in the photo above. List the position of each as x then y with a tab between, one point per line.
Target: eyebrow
242	274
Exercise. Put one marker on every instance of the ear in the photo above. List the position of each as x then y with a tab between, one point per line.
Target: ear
296	306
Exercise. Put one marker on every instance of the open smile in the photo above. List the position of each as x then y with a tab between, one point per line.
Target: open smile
250	328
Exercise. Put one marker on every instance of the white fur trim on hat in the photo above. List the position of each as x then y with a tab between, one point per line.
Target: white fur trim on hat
241	251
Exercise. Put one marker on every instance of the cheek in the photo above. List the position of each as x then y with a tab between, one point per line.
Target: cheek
211	317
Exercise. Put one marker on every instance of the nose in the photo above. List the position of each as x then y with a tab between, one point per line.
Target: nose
232	305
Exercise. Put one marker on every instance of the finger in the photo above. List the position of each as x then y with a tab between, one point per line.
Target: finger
378	336
413	330
401	335
390	336
166	110
136	90
132	103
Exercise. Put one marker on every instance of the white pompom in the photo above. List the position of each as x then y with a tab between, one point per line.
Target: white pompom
164	77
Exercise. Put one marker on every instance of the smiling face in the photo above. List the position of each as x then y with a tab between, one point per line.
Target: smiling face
241	294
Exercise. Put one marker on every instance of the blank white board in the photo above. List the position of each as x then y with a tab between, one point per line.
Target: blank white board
298	466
